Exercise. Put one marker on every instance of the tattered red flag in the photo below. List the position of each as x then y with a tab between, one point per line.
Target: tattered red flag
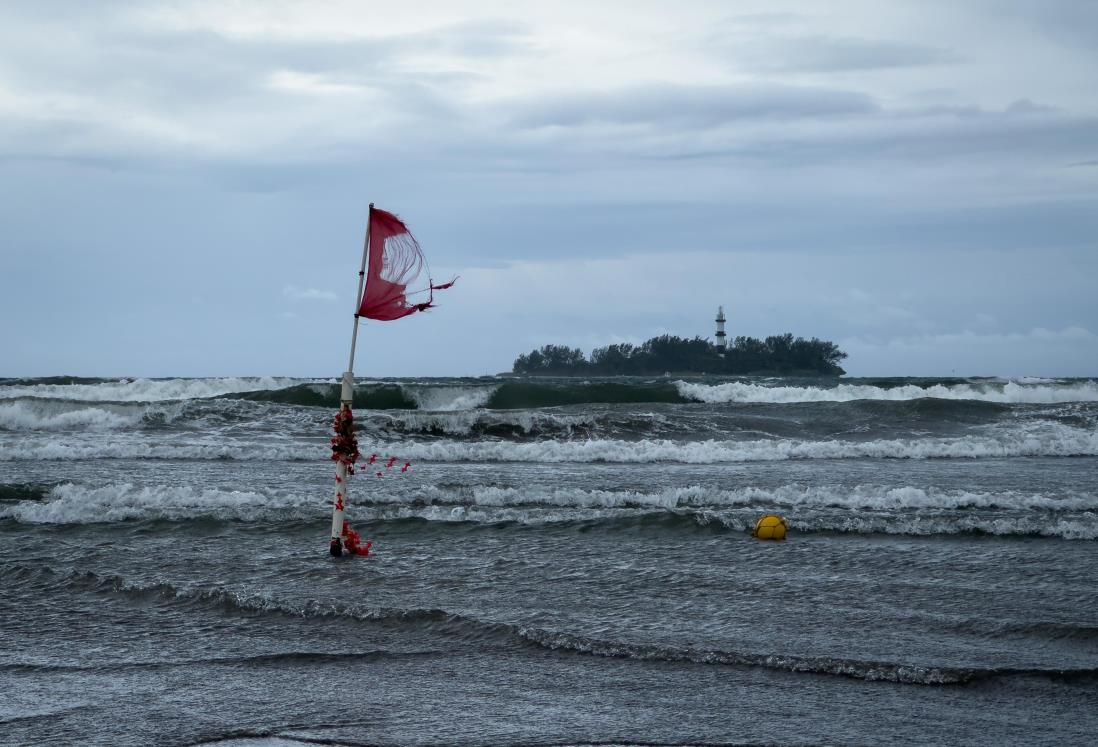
396	266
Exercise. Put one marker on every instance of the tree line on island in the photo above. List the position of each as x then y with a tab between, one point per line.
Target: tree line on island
778	354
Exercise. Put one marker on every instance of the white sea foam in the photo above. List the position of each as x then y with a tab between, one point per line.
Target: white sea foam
1010	392
449	398
52	415
1074	526
1078	527
1022	440
28	416
1052	440
857	509
872	497
76	504
176	448
150	390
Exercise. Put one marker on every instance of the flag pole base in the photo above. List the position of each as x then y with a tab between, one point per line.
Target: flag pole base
336	548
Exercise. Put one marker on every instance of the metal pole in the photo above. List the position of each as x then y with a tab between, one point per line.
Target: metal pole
361	282
346	400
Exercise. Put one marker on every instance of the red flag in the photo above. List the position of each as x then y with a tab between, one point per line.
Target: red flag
396	265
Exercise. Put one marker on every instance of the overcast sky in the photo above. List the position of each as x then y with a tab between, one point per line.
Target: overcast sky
184	185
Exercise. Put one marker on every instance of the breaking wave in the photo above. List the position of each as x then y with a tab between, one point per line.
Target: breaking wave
1009	392
494	424
450	398
1051	441
145	390
53	415
1076	526
873	497
458	395
456	398
468	629
861	509
1036	439
69	503
178	448
326	394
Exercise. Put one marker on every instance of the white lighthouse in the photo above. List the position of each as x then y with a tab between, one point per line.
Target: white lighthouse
722	342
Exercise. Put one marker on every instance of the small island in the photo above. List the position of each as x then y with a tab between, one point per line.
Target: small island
778	354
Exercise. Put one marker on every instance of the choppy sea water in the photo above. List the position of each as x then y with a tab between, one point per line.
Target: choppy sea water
565	562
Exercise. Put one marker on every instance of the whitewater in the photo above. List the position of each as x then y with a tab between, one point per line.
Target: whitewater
579	542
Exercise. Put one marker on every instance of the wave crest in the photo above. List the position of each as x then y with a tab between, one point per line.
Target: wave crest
860	509
468	628
1010	392
77	504
1035	439
145	390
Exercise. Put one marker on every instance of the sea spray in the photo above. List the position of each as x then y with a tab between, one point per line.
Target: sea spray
1009	392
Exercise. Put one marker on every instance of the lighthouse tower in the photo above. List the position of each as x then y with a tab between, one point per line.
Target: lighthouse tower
722	342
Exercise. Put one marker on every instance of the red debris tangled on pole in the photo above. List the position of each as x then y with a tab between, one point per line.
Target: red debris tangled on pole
345	452
345	445
351	542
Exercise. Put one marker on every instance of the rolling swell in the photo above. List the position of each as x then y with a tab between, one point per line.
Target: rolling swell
948	398
525	393
24	491
962	410
1082	633
468	629
872	671
522	395
505	396
515	425
278	658
692	423
56	381
385	397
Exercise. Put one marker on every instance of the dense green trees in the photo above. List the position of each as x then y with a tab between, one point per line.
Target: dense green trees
552	359
668	354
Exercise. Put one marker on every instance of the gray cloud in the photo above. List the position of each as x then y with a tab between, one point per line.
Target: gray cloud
681	171
1065	21
939	133
118	88
822	54
686	105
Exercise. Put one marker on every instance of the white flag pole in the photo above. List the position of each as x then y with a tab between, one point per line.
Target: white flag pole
346	400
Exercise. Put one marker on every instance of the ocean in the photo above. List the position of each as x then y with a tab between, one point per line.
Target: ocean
563	562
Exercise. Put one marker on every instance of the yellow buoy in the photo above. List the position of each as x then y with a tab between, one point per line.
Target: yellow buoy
770	527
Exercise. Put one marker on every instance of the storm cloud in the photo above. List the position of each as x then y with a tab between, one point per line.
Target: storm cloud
899	178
